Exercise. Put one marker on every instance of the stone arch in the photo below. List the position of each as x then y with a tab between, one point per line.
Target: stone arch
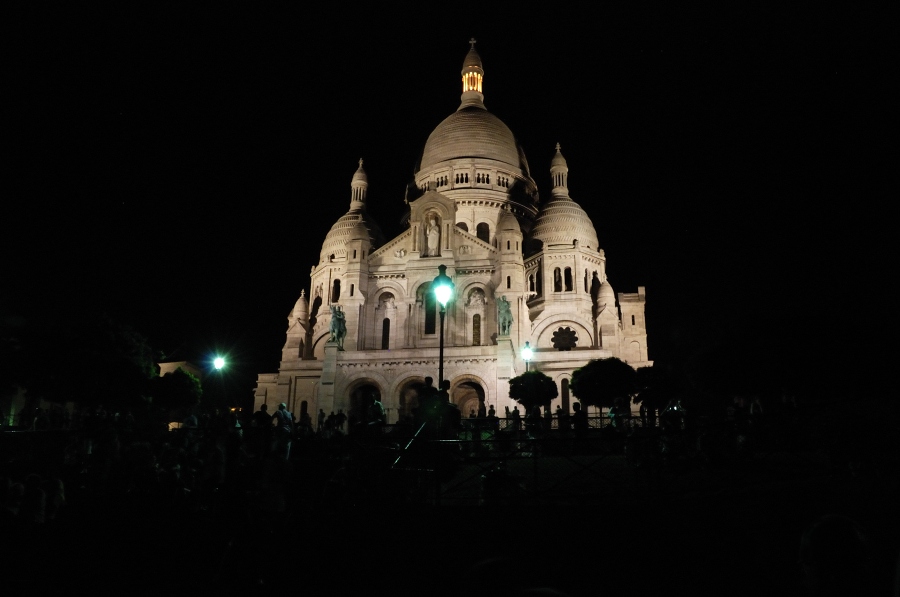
565	397
483	231
358	392
474	301
318	345
406	394
544	333
470	390
469	396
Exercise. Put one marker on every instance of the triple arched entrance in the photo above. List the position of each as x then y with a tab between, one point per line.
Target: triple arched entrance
467	393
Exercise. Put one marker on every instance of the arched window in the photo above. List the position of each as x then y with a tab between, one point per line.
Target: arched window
483	232
336	291
508	282
462	226
531	282
586	279
352	288
632	320
568	276
557	280
507	245
386	333
430	312
476	330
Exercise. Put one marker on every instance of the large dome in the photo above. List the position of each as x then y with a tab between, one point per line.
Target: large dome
471	132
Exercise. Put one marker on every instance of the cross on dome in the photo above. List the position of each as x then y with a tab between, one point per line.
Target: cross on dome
472	43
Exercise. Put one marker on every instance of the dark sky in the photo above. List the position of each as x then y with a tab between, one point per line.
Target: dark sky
179	166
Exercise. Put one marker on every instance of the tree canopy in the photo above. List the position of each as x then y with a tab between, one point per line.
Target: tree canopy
533	388
176	390
601	381
90	360
654	387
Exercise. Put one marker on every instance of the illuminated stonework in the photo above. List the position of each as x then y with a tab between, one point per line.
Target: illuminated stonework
474	208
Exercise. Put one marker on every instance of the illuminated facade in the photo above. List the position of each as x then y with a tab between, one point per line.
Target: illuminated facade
474	208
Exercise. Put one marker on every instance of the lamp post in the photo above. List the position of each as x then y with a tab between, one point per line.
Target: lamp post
443	292
527	353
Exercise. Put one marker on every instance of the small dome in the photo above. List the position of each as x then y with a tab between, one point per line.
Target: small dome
472	60
350	226
558	160
561	222
508	223
360	174
360	232
301	307
605	295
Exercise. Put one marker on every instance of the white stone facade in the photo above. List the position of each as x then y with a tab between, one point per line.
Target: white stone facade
477	211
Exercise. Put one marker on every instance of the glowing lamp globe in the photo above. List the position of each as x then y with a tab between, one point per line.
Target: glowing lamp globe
527	353
443	286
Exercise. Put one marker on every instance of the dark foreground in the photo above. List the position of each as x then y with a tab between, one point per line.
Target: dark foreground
685	527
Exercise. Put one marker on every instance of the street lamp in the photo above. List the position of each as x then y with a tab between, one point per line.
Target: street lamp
527	353
443	292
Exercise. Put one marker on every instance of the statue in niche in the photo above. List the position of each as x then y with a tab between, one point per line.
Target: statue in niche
432	237
387	301
504	316
338	326
476	299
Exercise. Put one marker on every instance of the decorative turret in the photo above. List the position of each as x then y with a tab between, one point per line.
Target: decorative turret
559	171
562	221
472	76
359	185
335	246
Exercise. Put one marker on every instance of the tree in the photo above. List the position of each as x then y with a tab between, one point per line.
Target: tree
601	381
533	388
654	387
176	390
89	360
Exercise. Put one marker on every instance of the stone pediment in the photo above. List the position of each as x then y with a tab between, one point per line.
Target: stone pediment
475	246
394	251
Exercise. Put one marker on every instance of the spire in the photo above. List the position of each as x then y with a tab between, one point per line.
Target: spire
559	171
472	75
359	185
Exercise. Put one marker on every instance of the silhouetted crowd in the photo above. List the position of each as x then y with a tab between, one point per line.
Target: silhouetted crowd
251	472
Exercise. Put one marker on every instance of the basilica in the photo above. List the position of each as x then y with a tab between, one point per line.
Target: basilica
525	271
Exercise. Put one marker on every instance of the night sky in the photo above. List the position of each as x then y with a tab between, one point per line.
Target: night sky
179	166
